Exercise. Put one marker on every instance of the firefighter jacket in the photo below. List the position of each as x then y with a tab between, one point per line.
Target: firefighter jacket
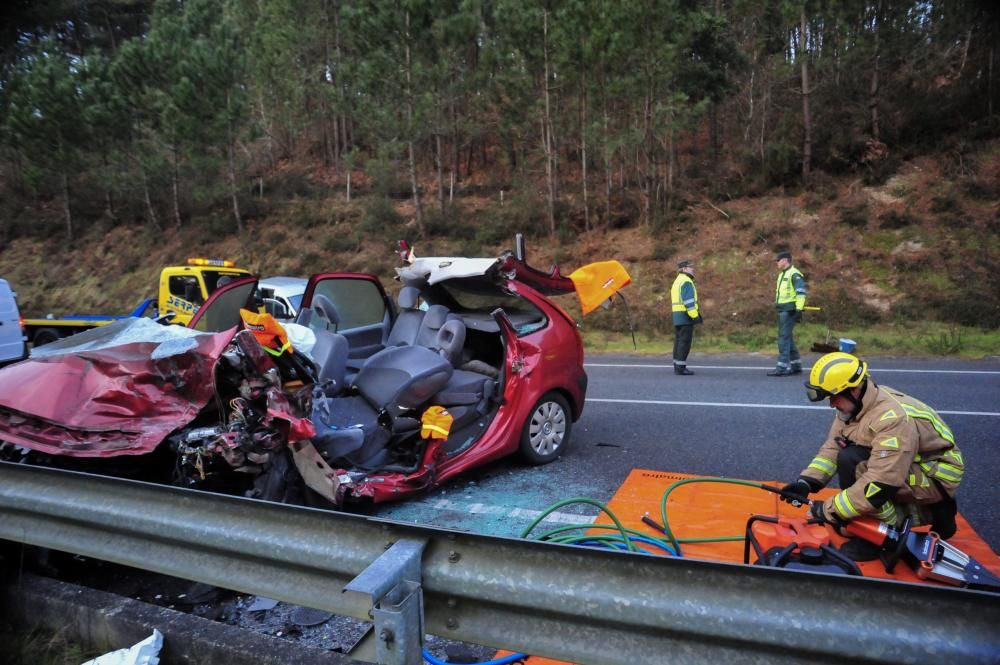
684	301
790	291
913	454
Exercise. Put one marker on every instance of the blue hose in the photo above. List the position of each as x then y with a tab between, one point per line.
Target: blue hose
513	658
619	546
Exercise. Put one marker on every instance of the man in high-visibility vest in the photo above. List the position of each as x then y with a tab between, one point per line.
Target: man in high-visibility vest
684	305
789	300
893	455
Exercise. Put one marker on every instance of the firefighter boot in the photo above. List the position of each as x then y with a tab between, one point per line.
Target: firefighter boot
682	370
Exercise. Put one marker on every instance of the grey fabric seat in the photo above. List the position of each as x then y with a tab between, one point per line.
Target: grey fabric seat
434	319
357	429
407	325
331	349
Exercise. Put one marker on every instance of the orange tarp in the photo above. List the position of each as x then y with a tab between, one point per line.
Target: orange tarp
706	510
709	510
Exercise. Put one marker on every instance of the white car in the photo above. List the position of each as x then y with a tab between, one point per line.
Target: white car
12	347
282	296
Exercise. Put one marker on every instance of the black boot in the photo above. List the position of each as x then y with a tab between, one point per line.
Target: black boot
682	370
857	549
780	371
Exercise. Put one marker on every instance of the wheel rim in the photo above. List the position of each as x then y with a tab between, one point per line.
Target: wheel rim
547	428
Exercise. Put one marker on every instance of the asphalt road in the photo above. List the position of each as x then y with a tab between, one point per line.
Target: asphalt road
730	419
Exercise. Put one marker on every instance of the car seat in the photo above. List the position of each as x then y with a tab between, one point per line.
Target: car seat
329	354
392	385
409	319
467	395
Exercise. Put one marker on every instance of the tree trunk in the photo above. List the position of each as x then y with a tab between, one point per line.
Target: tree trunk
608	166
873	93
415	186
647	179
265	125
806	118
671	168
713	135
438	160
583	158
989	84
66	210
231	155
456	156
753	75
146	197
109	197
175	177
547	128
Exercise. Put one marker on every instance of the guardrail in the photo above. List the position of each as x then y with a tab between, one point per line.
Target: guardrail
572	603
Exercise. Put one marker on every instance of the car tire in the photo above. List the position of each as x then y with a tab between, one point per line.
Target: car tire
546	431
45	336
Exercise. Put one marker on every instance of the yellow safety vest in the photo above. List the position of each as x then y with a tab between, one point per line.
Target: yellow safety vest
784	290
676	304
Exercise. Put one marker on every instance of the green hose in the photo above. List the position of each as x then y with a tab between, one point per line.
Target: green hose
564	535
592	502
676	542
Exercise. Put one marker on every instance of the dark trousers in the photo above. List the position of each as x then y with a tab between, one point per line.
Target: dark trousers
788	353
682	344
942	513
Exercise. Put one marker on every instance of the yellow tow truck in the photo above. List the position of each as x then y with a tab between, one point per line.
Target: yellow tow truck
183	289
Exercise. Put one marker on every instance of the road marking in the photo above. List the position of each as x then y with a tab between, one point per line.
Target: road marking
518	513
764	369
740	405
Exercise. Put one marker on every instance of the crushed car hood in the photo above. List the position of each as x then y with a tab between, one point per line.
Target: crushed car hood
116	390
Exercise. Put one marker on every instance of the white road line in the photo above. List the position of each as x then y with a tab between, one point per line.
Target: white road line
764	369
740	405
522	513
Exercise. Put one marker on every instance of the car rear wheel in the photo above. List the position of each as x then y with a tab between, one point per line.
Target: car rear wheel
546	431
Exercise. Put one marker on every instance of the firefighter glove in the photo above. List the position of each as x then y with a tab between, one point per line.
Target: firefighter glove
799	488
819	512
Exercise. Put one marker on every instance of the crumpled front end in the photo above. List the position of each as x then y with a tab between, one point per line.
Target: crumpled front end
105	401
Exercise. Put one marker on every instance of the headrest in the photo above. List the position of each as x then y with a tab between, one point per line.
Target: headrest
408	296
325	306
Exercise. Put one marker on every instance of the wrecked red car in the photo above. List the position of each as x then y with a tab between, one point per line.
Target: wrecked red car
382	398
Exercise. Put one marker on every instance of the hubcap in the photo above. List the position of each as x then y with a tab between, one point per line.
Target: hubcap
547	428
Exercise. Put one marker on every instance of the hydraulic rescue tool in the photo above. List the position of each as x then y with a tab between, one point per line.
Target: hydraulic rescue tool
930	556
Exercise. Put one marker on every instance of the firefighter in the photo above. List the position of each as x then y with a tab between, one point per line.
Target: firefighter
892	454
789	299
684	305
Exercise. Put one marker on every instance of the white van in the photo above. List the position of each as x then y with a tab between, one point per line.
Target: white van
12	346
282	296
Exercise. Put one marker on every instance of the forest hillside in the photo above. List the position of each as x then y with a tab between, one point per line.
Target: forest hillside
298	137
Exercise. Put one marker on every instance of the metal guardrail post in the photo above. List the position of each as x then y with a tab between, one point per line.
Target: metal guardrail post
392	586
399	625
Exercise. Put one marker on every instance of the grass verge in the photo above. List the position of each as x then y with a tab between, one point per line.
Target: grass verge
927	339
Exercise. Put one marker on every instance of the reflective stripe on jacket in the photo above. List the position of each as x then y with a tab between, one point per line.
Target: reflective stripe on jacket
790	290
911	448
684	300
